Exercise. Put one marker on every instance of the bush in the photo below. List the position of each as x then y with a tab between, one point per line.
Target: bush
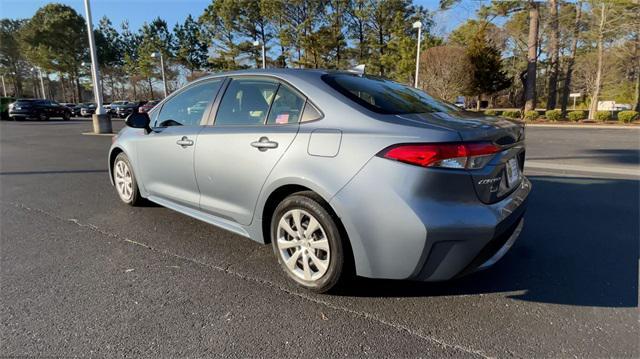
511	113
553	115
530	115
490	112
576	116
628	116
603	116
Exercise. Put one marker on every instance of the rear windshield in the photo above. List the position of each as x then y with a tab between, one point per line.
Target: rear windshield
385	96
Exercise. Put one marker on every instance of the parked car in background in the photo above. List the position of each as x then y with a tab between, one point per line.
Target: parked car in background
148	106
107	106
114	106
87	109
339	172
4	107
128	108
35	109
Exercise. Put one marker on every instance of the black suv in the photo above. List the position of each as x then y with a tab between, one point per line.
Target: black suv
25	109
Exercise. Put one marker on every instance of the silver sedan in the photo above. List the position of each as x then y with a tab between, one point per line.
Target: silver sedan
344	174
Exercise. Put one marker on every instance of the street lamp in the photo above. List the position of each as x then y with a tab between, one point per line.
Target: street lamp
164	79
256	43
417	25
38	72
101	120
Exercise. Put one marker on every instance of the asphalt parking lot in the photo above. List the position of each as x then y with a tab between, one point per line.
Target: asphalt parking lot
85	275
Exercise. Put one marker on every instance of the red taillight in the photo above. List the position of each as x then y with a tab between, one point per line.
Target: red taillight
447	155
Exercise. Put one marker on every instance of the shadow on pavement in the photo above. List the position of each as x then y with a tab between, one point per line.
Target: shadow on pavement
579	247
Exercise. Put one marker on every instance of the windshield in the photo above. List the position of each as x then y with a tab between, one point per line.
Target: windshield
385	96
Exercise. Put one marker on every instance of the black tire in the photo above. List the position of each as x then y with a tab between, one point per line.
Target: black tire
43	117
135	199
313	204
66	116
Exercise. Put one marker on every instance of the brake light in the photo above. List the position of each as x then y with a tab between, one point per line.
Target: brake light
472	155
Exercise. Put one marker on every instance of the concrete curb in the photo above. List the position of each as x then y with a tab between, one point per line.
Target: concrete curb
600	127
539	165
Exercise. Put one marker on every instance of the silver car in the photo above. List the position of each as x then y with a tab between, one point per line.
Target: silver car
342	173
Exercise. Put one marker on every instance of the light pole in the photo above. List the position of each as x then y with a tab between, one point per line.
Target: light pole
417	25
101	120
4	87
39	74
164	79
256	43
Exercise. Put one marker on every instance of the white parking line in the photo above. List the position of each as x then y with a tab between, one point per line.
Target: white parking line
578	168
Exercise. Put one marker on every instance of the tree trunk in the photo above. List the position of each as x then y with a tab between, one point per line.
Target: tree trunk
78	87
150	87
636	97
554	48
593	108
571	60
532	57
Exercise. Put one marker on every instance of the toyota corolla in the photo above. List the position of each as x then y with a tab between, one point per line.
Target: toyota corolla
342	173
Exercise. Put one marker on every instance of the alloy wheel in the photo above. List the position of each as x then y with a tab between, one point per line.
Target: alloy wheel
303	245
124	181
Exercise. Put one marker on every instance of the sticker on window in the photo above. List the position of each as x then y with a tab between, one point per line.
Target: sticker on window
282	118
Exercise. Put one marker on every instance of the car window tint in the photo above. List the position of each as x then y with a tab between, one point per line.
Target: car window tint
187	107
246	102
286	107
385	96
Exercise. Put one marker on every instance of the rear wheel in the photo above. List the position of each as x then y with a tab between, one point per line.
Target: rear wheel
43	117
125	181
66	116
307	242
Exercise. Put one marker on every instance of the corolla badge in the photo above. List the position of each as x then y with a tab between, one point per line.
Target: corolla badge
489	180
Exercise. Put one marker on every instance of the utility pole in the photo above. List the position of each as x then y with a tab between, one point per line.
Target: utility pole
101	120
418	25
4	87
164	79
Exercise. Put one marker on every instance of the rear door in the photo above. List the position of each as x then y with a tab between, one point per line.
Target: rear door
166	154
255	123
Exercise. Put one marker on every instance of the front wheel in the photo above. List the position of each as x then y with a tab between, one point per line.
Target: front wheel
307	242
125	181
66	116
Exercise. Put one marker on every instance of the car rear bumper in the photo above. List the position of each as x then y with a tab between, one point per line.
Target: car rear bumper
24	115
408	222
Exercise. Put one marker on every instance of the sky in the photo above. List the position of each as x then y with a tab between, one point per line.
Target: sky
173	11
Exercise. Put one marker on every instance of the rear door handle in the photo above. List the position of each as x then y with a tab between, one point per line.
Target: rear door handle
184	142
264	144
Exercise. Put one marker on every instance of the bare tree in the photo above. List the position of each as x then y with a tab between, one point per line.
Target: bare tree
444	71
571	60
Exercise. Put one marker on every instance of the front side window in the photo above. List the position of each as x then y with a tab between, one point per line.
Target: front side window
246	102
286	107
385	96
188	107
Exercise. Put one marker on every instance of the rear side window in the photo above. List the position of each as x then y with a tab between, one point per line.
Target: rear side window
385	96
187	107
286	108
246	102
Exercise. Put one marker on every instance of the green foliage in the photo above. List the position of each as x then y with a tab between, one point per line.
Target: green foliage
490	112
553	115
531	115
191	50
511	113
486	62
55	38
603	116
628	116
576	116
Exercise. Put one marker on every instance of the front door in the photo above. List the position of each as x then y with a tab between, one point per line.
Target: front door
166	153
256	121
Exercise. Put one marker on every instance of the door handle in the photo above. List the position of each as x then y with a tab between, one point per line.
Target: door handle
184	142
264	144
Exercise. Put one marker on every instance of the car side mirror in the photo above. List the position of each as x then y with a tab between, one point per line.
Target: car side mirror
139	120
